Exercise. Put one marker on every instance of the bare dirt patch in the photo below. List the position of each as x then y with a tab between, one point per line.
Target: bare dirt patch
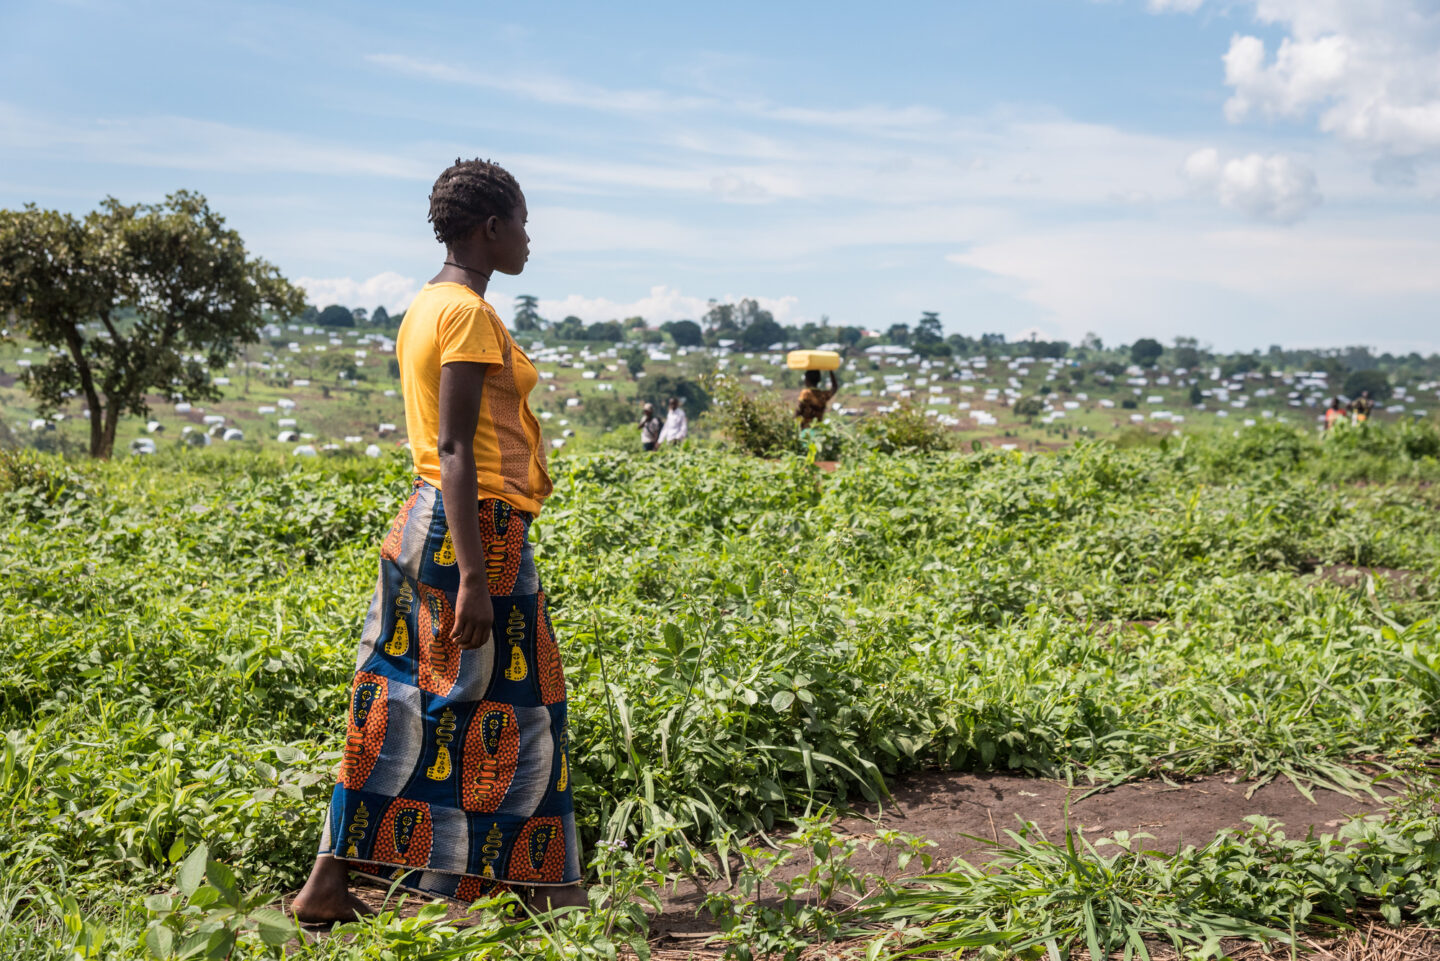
1347	575
960	813
951	809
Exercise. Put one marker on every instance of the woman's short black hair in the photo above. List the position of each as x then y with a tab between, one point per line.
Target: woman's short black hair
468	194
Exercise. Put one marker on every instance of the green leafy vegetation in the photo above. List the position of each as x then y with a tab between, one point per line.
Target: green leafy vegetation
746	641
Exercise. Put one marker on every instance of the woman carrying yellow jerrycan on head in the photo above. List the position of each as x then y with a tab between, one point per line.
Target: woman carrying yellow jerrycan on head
813	401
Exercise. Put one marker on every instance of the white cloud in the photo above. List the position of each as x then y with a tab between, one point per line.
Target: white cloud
1367	70
1303	74
661	304
1182	6
980	160
560	91
1276	188
557	91
1310	284
389	289
184	143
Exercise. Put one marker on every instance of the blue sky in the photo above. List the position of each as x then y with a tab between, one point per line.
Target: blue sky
1245	172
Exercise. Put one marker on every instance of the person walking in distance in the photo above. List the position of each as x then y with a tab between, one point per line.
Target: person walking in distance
455	780
1334	413
1361	407
676	426
649	427
813	401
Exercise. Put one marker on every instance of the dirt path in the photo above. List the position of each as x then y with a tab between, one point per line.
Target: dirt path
960	812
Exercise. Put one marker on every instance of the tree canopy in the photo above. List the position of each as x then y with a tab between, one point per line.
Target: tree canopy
685	333
527	313
719	320
929	329
758	327
336	316
1146	351
1375	381
133	299
659	390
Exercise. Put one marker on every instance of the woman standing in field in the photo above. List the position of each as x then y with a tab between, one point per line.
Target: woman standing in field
456	777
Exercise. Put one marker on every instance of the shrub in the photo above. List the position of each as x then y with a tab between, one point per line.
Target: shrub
830	438
757	424
1408	439
906	428
1273	444
1028	407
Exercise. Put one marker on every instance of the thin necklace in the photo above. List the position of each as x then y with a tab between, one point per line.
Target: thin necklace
482	273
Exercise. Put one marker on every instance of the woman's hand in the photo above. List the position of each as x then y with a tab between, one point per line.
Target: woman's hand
474	615
461	385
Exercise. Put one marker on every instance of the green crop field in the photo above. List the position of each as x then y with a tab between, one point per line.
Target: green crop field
750	645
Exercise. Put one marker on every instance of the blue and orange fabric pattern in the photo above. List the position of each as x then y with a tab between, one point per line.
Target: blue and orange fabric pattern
456	777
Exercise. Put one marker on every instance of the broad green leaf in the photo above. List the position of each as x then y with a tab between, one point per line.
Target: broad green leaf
192	869
223	880
159	941
159	903
275	927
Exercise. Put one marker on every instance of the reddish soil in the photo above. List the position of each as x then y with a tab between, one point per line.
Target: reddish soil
1346	575
962	812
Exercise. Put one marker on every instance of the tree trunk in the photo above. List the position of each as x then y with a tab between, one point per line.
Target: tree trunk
97	430
76	343
107	434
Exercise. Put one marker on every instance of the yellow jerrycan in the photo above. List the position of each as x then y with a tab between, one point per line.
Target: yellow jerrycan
812	360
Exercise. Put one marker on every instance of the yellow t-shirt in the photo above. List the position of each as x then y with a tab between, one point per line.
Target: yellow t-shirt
448	323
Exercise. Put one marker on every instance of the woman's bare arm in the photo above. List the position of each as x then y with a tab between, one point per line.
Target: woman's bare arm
461	385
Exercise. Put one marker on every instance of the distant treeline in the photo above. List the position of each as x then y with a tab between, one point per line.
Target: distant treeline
748	326
338	316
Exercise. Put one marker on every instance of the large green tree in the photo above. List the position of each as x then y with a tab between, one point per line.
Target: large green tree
336	316
1372	380
1146	351
133	300
719	320
929	329
758	329
1186	353
527	313
685	333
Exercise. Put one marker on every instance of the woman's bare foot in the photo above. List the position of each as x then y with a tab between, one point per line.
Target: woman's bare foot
545	898
326	897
